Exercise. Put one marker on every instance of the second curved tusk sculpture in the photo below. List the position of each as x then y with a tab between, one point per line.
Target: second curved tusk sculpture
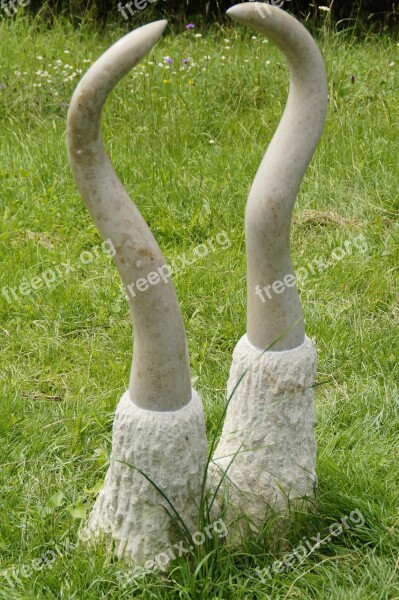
159	431
266	457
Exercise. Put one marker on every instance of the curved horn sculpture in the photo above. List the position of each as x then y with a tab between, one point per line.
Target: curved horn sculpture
159	421
267	453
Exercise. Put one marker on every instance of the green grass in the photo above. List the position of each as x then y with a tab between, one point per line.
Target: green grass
187	151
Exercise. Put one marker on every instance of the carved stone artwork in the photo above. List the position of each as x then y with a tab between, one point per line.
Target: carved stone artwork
266	456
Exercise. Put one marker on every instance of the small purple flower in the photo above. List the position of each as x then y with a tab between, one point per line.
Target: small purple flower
185	61
168	60
190	26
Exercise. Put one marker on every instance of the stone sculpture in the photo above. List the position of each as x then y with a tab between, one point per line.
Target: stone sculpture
265	460
159	421
266	456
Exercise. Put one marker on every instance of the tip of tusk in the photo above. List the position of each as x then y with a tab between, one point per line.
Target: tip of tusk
249	11
141	39
162	23
239	10
233	10
156	27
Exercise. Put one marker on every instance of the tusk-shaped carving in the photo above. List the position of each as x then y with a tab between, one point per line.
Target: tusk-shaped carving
159	443
266	456
275	187
160	375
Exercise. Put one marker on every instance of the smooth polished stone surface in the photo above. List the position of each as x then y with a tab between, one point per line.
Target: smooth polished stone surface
160	375
276	184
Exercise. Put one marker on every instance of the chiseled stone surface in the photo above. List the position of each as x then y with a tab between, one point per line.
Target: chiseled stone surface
267	447
170	448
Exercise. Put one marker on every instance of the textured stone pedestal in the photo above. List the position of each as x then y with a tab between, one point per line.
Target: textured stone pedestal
267	447
170	447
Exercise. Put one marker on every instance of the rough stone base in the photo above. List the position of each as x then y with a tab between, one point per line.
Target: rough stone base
267	448
171	448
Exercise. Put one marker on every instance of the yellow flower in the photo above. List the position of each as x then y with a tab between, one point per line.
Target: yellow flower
165	81
191	82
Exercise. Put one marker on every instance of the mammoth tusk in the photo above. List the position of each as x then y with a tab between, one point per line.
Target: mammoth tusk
266	456
160	375
159	443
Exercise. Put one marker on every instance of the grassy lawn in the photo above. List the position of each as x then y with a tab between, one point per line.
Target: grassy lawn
186	141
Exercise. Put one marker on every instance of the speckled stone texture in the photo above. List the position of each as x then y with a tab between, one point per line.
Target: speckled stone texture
267	446
171	448
277	182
